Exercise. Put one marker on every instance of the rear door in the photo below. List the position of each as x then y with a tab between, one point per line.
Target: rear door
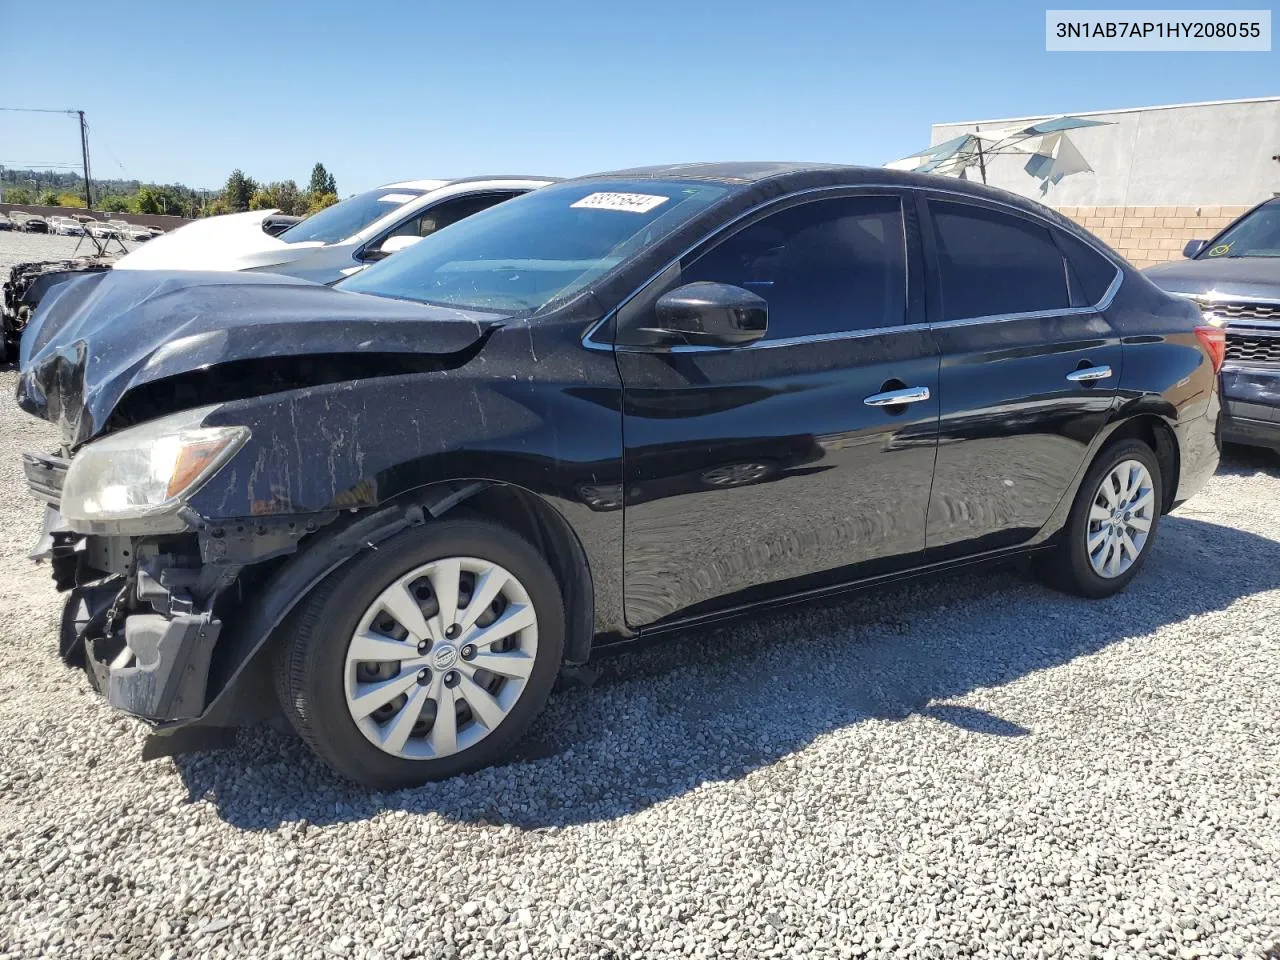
1030	368
756	470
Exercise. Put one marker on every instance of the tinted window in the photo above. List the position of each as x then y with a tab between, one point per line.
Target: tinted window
446	212
1092	272
992	263
824	267
349	216
1257	234
519	256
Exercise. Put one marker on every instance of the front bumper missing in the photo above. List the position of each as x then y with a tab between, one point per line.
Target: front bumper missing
161	669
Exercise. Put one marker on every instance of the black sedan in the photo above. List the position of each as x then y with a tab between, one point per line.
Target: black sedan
1235	279
614	407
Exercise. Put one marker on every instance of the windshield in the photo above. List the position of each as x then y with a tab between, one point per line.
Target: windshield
545	246
349	216
1257	235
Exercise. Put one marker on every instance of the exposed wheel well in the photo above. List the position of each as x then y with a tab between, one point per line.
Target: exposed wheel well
539	523
1156	434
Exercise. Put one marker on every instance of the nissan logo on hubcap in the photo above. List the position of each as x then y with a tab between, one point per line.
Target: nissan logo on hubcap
445	657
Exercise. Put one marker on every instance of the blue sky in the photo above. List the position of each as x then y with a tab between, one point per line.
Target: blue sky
387	90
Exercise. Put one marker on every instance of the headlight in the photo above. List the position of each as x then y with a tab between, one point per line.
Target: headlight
147	471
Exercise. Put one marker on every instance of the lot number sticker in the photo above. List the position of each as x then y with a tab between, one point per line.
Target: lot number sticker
624	202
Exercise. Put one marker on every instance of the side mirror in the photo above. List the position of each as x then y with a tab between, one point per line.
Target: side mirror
389	246
1194	248
711	315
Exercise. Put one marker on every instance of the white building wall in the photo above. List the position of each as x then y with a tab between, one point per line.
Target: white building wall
1185	155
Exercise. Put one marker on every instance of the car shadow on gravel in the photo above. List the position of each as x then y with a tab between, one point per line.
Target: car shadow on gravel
722	703
1238	461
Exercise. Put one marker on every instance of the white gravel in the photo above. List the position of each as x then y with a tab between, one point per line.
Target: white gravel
977	767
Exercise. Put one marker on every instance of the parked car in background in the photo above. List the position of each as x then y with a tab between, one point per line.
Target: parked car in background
1234	277
104	231
67	227
5	222
156	231
336	242
401	498
275	224
29	222
137	233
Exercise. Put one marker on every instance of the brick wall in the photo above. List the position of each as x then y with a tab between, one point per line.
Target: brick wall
1147	235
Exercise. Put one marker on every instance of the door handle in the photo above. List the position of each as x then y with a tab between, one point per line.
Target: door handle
1089	374
893	398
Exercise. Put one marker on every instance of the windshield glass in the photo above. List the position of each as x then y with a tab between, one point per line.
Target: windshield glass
349	216
1257	235
547	245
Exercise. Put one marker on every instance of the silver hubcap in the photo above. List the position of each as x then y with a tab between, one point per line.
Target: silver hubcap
735	474
1120	519
440	658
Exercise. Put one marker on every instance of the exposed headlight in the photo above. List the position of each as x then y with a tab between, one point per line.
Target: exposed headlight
146	471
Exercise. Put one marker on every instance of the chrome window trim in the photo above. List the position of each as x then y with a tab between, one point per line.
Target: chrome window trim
852	189
768	344
1107	296
1102	304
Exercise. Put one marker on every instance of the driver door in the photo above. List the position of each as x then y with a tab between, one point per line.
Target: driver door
772	468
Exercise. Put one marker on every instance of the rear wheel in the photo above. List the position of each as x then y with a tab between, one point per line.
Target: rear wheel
1112	524
426	657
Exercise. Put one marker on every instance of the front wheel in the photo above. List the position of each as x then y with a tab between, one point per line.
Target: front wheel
1112	524
426	657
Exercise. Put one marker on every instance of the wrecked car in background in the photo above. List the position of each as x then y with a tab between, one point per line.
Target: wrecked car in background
399	501
326	246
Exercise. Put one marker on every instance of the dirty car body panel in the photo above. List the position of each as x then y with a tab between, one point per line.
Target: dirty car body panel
650	473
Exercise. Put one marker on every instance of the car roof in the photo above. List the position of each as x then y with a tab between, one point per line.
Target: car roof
786	176
437	184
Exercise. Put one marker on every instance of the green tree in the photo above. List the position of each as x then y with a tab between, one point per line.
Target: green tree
283	196
17	195
239	191
49	198
163	200
115	203
70	200
318	201
322	181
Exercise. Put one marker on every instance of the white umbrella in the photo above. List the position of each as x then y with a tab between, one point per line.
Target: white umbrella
1054	158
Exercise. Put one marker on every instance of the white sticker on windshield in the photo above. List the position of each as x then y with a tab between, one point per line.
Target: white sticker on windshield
396	198
626	202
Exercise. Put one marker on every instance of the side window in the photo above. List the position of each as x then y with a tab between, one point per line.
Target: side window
992	263
829	266
447	212
1091	272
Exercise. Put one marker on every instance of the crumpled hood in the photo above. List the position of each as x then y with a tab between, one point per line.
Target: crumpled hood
231	242
1257	277
95	338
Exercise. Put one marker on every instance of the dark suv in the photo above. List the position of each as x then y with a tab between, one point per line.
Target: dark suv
1235	279
613	407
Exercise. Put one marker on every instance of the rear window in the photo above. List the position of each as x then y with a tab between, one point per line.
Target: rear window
1091	271
992	263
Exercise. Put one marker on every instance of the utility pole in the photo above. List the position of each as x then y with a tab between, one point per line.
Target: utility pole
84	151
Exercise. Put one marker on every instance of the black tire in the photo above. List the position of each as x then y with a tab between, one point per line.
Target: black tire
1067	566
311	650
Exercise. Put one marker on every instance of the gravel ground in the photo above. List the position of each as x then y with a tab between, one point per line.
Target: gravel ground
19	247
973	767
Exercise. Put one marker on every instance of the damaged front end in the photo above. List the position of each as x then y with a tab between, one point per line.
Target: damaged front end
140	615
24	288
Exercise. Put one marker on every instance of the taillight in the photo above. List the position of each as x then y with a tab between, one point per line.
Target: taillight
1214	341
